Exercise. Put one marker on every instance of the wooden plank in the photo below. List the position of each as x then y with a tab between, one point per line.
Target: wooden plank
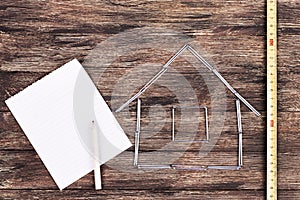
288	88
14	82
50	43
111	14
47	57
143	194
288	10
288	176
12	137
132	194
21	168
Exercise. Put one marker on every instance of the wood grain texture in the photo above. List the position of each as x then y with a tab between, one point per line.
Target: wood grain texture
37	37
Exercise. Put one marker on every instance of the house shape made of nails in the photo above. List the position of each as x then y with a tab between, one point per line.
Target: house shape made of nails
239	99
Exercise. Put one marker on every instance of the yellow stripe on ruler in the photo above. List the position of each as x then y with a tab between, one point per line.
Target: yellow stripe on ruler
271	99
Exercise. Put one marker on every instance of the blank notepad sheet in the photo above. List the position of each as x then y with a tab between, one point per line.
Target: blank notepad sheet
56	114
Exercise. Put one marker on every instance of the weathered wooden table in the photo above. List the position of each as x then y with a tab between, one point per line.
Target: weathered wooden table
39	36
